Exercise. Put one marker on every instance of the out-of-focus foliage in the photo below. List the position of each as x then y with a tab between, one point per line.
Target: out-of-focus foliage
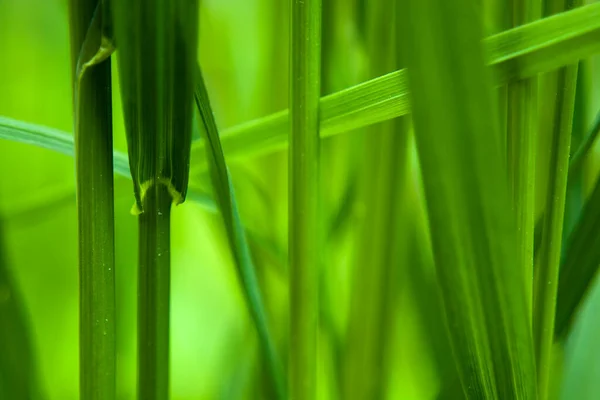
215	351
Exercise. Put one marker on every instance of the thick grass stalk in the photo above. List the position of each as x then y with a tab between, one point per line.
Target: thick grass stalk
153	295
157	42
95	204
304	226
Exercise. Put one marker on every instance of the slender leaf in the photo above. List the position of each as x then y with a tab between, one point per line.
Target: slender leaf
556	41
563	83
62	142
304	229
522	128
514	54
95	203
472	227
225	197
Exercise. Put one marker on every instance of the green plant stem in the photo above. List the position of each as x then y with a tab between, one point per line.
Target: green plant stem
95	209
153	295
522	127
304	225
546	273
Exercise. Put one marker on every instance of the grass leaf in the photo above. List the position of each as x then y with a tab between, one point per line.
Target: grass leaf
225	197
515	54
63	143
157	42
472	226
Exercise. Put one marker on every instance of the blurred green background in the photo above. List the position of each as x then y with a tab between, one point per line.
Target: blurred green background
214	353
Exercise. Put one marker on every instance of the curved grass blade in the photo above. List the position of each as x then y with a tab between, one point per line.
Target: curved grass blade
225	197
515	54
95	203
157	59
557	41
472	226
63	143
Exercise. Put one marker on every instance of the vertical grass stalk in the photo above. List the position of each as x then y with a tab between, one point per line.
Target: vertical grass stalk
304	227
522	127
157	59
153	294
95	204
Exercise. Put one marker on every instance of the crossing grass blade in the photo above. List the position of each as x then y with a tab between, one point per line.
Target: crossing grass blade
95	203
518	53
157	42
236	235
472	226
515	54
304	231
63	143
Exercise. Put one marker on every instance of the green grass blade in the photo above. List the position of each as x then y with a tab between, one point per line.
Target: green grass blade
562	86
472	226
52	139
95	203
548	262
555	41
304	232
514	54
18	375
522	127
63	143
580	264
225	197
157	59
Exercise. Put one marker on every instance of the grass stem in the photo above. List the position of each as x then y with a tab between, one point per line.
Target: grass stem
153	295
95	207
304	196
